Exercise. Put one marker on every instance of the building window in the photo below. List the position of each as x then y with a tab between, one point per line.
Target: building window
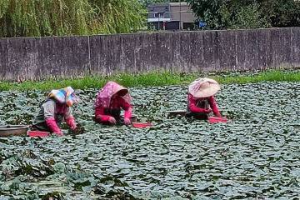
158	15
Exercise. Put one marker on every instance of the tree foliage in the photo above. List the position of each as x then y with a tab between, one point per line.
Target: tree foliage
69	17
223	14
282	12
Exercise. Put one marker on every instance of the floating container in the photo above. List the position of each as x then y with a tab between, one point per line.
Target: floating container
13	130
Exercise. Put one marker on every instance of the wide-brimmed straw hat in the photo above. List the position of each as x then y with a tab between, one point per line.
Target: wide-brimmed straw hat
204	87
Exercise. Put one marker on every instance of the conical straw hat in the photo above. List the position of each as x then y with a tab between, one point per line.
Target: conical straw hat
204	87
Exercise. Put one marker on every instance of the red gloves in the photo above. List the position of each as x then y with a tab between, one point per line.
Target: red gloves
127	121
71	123
51	123
207	111
128	113
112	120
218	115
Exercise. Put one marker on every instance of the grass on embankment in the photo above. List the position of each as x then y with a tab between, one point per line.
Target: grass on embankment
155	79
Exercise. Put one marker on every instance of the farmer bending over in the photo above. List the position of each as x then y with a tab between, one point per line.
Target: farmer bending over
56	108
201	101
110	99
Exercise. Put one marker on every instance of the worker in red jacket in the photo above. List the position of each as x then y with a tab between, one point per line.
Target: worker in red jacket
55	109
109	102
201	100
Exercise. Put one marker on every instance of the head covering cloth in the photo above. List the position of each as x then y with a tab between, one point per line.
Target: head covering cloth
64	96
105	95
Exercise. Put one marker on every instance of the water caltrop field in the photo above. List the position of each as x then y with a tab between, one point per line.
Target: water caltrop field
256	155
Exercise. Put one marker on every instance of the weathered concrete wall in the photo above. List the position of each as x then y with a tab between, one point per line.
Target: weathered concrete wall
38	58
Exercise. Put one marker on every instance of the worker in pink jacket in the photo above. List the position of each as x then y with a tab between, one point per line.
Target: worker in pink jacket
201	100
109	102
55	109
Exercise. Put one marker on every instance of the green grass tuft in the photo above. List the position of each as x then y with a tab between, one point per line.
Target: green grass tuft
154	79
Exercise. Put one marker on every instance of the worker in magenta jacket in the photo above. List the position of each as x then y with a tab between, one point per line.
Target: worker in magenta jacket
201	100
55	109
109	102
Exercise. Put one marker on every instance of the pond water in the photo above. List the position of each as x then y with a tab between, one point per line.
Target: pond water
255	156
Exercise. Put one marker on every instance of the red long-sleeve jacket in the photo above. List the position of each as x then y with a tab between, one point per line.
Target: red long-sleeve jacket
116	103
192	104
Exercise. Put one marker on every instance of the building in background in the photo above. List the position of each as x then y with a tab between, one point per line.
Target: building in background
171	16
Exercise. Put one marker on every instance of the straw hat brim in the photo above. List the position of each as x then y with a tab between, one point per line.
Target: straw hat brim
207	92
213	88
